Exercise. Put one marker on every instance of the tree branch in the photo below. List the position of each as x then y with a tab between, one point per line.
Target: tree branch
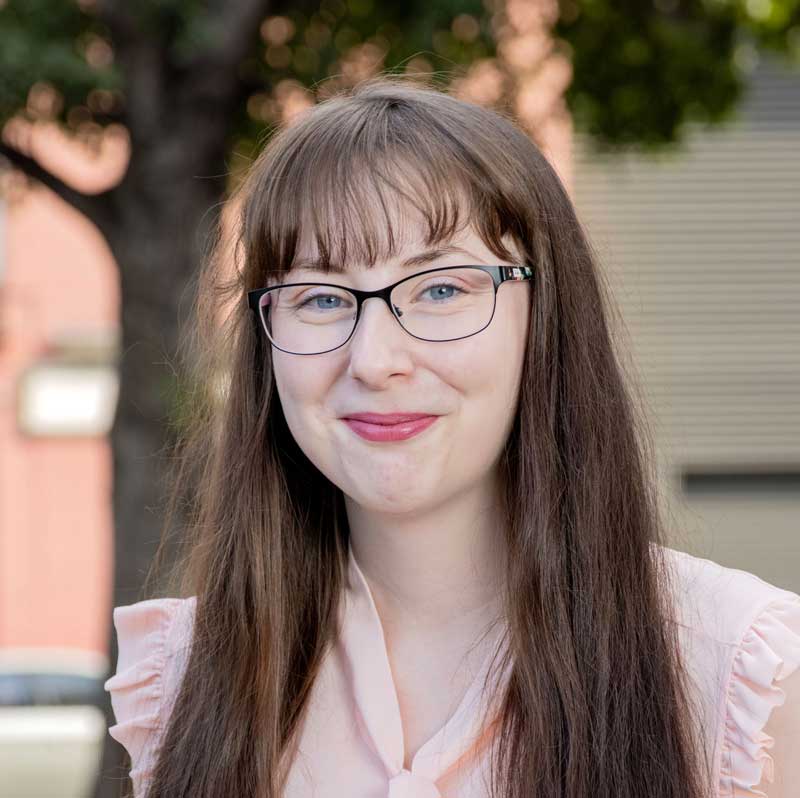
97	207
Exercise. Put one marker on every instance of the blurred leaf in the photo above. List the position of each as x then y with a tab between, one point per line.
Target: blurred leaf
641	69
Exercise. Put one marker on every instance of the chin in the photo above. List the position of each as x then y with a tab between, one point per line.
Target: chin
393	502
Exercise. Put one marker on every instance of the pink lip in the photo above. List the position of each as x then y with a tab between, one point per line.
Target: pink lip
391	427
386	418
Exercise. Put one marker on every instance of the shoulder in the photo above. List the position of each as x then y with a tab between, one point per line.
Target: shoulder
717	601
153	637
741	640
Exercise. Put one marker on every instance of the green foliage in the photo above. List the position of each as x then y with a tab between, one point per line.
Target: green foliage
42	41
642	68
321	35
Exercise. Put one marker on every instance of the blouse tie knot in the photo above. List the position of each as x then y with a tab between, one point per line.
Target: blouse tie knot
408	785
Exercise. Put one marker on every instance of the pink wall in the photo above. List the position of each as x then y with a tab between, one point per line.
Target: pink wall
58	282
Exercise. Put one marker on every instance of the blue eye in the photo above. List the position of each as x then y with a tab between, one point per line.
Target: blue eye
448	286
322	296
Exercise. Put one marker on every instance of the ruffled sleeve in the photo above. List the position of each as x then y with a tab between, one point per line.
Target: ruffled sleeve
763	705
140	688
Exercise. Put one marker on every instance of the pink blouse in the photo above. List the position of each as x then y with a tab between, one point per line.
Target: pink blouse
739	634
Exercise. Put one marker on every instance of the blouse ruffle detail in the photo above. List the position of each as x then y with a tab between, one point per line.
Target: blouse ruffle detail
137	688
768	653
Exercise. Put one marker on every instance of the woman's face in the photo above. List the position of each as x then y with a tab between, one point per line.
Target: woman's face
470	384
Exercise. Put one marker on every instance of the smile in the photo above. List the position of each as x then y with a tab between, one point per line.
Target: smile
390	432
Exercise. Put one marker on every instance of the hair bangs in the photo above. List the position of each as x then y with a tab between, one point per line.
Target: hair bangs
367	186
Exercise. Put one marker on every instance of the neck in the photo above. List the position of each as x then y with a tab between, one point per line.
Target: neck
434	570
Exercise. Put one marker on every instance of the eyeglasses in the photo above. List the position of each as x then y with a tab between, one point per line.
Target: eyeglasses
443	304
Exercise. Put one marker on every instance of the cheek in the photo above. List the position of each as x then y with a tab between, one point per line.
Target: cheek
484	372
485	369
299	388
491	361
284	381
491	368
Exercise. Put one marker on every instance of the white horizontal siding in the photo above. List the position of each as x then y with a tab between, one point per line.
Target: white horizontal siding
701	249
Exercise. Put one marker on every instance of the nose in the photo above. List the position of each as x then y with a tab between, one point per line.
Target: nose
379	346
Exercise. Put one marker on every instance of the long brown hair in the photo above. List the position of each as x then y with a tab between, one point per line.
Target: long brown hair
598	702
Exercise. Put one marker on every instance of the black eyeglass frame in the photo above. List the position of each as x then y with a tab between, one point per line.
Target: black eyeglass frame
499	275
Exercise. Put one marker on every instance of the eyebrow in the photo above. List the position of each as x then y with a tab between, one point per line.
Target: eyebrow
419	259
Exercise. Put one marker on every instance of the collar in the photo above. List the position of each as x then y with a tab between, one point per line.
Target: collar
363	646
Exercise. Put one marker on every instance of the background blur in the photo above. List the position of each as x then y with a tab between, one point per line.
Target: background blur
675	126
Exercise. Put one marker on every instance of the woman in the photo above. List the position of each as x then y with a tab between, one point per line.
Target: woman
469	594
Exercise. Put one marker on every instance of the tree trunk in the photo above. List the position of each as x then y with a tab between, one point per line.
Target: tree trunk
164	220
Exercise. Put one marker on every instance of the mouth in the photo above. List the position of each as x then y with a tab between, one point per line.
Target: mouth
385	418
388	427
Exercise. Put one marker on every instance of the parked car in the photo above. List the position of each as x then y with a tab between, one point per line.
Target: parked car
51	727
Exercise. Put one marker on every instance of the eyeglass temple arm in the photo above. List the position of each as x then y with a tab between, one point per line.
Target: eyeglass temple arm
515	272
